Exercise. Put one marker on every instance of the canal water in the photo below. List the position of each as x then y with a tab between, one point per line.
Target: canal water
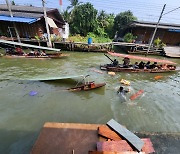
22	115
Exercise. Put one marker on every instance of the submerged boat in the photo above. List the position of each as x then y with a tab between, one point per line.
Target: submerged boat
87	86
120	67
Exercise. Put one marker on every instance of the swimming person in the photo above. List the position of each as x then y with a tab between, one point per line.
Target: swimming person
122	93
121	90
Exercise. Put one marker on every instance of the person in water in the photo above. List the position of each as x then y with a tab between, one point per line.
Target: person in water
122	91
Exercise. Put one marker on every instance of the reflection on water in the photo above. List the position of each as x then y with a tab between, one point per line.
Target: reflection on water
22	115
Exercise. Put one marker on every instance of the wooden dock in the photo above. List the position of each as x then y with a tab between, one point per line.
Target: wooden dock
172	51
66	138
73	138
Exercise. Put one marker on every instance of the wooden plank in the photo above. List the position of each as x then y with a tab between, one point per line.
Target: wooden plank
108	152
63	138
122	146
108	133
129	136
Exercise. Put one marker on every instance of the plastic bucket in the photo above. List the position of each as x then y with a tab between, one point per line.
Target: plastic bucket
89	40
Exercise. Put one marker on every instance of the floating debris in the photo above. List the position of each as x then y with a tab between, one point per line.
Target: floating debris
125	82
33	93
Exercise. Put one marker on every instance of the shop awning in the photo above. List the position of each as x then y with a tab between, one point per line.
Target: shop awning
18	19
51	23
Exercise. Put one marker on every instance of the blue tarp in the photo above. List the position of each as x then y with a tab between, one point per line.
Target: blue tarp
18	19
174	30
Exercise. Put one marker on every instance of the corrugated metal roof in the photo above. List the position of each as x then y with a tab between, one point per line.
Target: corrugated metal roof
22	14
18	19
153	25
21	8
29	12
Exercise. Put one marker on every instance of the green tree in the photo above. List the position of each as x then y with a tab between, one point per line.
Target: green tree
105	23
129	37
12	2
158	43
66	15
74	3
83	19
122	20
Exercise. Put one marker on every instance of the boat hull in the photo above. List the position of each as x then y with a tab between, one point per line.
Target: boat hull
53	56
132	70
87	87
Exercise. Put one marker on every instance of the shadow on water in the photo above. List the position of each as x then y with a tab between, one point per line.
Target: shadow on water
17	141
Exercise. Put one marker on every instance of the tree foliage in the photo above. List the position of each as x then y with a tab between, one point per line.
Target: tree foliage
73	4
105	24
122	20
129	37
158	43
83	19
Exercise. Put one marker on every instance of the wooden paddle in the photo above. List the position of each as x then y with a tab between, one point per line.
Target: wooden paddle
134	96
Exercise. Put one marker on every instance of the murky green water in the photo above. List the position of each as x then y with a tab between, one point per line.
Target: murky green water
22	116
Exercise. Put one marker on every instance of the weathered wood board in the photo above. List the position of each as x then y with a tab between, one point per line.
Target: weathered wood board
129	136
123	146
108	133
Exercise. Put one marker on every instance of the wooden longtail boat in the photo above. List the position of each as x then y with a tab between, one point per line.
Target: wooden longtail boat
119	68
47	56
87	86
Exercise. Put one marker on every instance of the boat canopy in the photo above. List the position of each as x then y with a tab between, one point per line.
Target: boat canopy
141	58
28	45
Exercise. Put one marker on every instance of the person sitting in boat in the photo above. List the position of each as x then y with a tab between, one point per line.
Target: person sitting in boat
19	51
37	53
92	84
147	65
126	62
164	67
141	65
154	65
43	53
122	91
31	53
115	62
10	51
135	66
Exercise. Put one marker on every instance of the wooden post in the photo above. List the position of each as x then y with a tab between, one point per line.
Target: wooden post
10	12
155	29
49	44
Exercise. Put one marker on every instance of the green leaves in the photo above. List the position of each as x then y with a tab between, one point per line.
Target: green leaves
129	37
122	20
83	19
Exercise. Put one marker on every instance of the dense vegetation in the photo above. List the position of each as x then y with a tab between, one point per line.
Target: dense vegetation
85	21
